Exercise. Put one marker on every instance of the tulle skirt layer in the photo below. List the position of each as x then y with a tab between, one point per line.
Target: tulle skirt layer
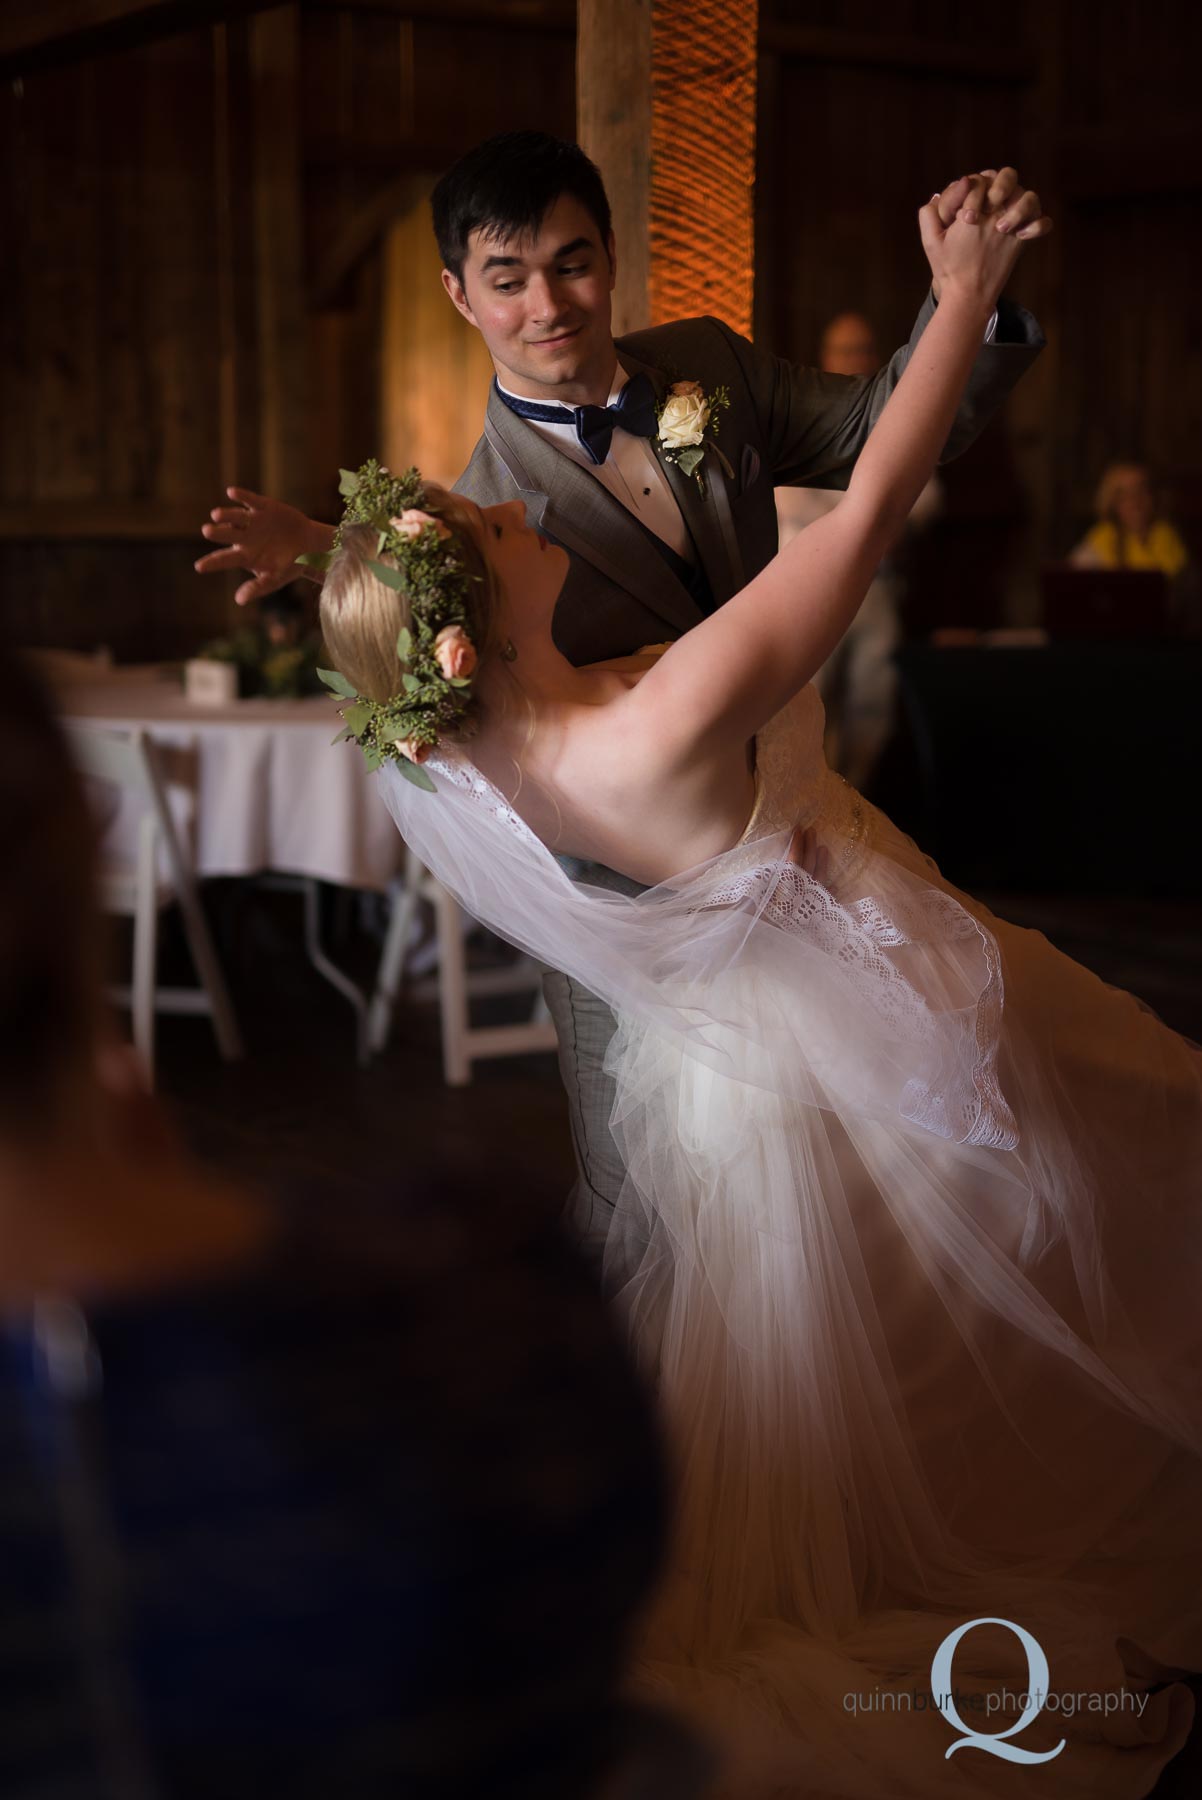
911	1244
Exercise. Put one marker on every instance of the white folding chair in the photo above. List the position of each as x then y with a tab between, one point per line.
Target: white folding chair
142	889
462	1042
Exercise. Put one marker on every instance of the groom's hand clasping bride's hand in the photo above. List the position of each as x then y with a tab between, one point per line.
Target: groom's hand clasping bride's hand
970	253
265	536
1016	211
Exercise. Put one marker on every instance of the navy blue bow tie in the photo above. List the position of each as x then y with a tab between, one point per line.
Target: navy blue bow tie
633	411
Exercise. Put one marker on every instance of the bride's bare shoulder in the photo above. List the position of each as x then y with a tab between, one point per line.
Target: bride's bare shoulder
629	668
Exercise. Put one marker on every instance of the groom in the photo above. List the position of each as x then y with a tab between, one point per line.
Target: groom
571	428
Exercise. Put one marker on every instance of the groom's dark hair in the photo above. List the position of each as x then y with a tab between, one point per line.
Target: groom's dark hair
506	187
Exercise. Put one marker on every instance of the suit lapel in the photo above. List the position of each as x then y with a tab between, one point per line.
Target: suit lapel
564	500
696	501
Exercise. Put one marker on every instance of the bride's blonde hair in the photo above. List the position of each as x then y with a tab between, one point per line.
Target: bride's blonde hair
361	617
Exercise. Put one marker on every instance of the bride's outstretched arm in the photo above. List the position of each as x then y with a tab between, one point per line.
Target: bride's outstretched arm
733	672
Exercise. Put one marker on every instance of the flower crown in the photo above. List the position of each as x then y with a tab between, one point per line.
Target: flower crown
437	656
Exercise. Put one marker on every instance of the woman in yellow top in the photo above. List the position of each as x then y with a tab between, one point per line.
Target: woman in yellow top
1128	534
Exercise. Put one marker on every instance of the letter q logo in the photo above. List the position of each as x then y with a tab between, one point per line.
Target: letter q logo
993	1742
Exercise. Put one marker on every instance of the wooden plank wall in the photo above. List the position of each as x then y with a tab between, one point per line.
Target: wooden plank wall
198	227
1095	101
206	228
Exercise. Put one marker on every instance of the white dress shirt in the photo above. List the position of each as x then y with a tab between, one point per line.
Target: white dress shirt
631	472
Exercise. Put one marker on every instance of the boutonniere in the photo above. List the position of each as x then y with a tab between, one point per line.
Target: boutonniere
688	425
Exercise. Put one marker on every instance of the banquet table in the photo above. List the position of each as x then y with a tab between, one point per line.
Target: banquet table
257	784
256	788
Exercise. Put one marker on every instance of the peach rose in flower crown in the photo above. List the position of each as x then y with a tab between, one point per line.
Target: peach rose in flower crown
455	653
412	521
417	753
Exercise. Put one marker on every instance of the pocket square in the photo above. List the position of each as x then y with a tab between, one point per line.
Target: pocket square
749	467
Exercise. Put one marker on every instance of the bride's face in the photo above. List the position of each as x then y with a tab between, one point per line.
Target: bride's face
529	569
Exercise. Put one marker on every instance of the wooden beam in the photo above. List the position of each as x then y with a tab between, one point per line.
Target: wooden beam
518	15
817	43
613	122
65	30
131	521
26	27
68	30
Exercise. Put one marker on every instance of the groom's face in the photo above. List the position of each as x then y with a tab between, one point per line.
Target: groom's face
542	305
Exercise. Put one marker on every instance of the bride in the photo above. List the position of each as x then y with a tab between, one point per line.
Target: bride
909	1241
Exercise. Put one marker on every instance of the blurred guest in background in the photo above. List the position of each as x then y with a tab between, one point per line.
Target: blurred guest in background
293	1505
849	346
1130	532
858	683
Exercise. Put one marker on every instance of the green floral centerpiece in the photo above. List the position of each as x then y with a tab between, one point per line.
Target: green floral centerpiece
276	658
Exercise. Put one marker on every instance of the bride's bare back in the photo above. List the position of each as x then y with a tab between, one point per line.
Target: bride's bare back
595	784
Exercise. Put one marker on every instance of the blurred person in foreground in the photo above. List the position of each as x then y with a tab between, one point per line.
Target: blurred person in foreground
858	681
290	1508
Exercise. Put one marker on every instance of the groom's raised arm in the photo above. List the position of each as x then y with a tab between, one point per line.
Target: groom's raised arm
815	424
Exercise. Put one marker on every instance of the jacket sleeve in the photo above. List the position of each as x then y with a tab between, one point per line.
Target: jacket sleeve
814	425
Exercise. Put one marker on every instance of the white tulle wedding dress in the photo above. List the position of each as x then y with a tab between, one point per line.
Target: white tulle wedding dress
910	1244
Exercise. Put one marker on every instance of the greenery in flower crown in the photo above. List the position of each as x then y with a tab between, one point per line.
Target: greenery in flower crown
432	574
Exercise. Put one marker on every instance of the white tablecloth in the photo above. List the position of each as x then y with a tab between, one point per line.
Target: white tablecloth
260	786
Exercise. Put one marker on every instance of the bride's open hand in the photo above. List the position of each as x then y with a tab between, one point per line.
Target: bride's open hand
977	250
264	536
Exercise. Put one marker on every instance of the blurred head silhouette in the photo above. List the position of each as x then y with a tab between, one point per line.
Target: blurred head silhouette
50	994
1127	496
849	346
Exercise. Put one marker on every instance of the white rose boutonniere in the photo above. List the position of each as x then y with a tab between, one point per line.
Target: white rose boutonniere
688	422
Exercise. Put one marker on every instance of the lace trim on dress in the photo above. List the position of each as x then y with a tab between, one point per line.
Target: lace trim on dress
452	762
963	1102
970	1108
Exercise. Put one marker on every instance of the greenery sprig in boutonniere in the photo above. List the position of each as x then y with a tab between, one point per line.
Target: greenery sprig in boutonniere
437	657
688	425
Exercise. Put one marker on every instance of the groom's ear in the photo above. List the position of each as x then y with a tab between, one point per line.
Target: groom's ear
455	289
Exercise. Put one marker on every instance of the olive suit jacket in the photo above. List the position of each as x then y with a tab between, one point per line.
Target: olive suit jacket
785	426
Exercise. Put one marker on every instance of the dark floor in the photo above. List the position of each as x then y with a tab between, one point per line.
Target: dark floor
299	1105
299	1108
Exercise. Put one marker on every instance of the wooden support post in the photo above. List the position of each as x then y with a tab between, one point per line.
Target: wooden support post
613	123
666	107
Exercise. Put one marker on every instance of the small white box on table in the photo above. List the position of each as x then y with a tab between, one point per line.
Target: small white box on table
210	683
